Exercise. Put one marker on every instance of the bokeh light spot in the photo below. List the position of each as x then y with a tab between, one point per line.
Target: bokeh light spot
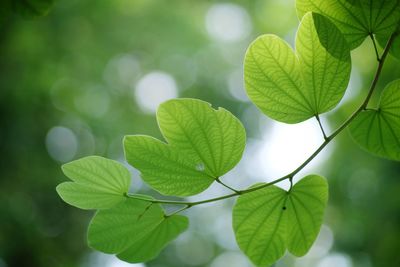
335	260
153	89
61	143
228	22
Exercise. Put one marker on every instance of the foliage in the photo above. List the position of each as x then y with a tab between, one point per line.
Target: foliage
204	144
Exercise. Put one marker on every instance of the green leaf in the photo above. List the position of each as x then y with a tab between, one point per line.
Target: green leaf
356	18
99	183
136	230
164	167
378	131
325	62
305	207
291	87
32	8
215	138
151	245
269	220
395	48
203	144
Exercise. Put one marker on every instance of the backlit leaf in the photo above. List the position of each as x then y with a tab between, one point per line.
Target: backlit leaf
291	87
378	130
268	221
356	18
99	183
136	230
203	144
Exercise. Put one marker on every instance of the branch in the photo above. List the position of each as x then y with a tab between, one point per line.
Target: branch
290	176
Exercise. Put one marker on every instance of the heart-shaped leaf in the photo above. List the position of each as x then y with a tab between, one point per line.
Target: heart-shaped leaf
291	87
356	19
269	220
99	183
203	144
136	230
378	131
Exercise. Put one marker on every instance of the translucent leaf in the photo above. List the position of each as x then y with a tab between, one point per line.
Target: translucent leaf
356	18
151	245
99	183
325	62
215	138
378	131
136	230
165	168
203	144
305	209
268	221
260	224
291	87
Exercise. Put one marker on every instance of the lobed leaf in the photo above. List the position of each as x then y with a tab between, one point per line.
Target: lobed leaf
291	87
136	230
203	144
269	220
164	167
356	18
378	131
99	183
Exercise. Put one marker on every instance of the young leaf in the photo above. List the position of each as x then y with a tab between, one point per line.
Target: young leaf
136	230
215	138
305	209
151	245
325	62
269	220
164	167
99	183
356	19
203	144
378	131
292	87
259	224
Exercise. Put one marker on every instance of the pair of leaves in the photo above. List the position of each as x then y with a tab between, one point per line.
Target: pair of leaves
357	19
269	220
203	144
378	130
293	87
134	230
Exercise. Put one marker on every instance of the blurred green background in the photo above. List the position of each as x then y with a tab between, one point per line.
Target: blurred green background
74	82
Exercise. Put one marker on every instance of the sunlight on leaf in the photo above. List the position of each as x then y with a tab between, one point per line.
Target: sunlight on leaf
356	19
291	87
99	183
136	230
378	130
203	144
268	221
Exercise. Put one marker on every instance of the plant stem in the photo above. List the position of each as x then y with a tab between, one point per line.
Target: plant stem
375	47
225	185
290	176
321	127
